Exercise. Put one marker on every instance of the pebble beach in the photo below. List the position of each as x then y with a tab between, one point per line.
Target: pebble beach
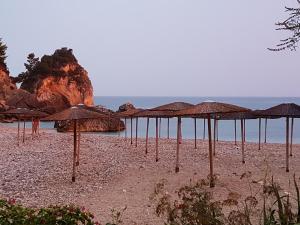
113	174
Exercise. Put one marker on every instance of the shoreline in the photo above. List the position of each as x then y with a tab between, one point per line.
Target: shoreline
143	136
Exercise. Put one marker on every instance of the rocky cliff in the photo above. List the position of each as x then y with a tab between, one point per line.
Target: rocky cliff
58	80
6	86
52	84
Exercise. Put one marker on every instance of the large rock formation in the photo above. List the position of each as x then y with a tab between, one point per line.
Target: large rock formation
52	84
7	88
58	80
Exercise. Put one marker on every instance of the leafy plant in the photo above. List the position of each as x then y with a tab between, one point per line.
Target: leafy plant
116	216
280	211
193	206
14	214
291	24
3	56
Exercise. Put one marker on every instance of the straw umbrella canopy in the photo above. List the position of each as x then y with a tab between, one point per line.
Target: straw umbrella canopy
128	113
206	109
287	110
75	114
163	111
174	106
167	110
23	114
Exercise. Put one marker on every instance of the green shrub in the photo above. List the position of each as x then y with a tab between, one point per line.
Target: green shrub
280	211
14	214
193	206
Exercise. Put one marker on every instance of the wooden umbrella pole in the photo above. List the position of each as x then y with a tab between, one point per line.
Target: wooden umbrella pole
211	167
244	130
266	124
24	132
259	133
235	132
292	133
156	139
38	127
287	143
178	145
75	151
125	128
136	130
18	131
243	141
217	123
214	146
204	129
168	128
180	133
32	127
131	130
195	124
78	142
159	127
147	134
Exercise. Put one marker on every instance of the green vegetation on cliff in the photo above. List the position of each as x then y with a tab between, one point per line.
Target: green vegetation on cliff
3	56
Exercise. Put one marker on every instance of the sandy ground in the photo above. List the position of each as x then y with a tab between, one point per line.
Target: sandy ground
114	174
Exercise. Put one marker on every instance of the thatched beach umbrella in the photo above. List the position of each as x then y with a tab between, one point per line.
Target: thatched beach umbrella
156	115
129	114
24	114
259	115
287	110
163	111
107	114
171	107
242	116
75	114
206	109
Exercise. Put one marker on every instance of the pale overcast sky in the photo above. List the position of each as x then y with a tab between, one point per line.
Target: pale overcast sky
159	47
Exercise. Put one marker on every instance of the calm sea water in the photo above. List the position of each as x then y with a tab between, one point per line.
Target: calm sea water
276	127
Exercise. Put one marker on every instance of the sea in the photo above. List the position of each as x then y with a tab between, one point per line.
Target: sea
275	127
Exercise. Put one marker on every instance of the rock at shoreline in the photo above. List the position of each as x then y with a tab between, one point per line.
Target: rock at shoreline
126	107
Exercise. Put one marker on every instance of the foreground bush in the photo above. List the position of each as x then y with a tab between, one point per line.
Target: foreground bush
14	214
194	205
281	210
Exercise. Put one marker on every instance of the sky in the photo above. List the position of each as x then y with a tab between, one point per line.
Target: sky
160	47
